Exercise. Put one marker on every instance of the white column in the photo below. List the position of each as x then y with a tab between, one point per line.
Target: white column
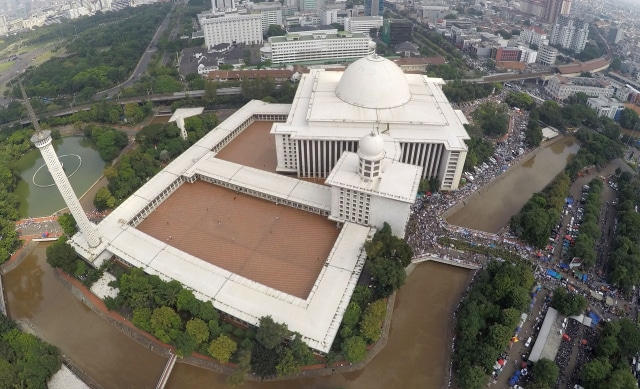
42	140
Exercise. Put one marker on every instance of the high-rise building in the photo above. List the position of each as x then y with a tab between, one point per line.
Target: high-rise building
615	34
308	5
231	27
271	13
547	10
373	7
570	33
551	10
396	31
363	24
222	5
42	140
566	7
547	55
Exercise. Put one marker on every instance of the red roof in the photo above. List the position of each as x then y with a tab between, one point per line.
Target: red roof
537	29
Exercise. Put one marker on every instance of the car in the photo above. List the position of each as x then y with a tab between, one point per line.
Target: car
528	342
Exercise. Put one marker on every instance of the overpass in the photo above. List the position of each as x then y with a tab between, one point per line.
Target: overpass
446	261
506	77
137	99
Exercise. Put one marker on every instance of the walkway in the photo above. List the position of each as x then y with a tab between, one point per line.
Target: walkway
452	262
167	371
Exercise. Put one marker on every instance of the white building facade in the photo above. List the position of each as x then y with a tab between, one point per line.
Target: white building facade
570	33
547	55
333	110
231	27
316	47
271	14
363	24
561	87
605	106
534	36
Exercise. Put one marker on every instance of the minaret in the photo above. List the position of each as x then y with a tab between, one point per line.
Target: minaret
42	140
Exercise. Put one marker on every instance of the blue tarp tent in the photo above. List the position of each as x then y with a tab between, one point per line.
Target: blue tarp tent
569	200
595	319
514	379
564	266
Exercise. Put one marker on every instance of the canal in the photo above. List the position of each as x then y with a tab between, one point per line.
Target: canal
415	356
36	192
491	210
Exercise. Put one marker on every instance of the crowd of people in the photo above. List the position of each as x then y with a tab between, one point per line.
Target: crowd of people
426	224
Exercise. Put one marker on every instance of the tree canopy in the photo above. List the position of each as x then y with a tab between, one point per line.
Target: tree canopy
545	373
25	361
485	319
533	223
387	257
492	119
568	303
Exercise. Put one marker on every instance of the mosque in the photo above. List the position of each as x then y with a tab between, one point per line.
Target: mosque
267	214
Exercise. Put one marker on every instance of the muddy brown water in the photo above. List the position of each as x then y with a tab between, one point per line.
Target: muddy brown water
416	355
491	210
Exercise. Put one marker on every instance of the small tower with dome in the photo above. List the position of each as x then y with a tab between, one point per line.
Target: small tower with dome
371	153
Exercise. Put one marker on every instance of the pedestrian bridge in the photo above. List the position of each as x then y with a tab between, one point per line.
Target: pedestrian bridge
167	371
452	262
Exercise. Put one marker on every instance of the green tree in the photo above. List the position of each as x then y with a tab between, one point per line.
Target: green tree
62	255
198	330
354	349
275	30
595	373
351	315
142	319
8	375
622	379
545	373
165	324
68	224
472	377
288	365
104	199
629	118
210	92
370	326
270	333
242	369
222	348
568	303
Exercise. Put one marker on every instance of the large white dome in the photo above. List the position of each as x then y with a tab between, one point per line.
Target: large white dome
374	82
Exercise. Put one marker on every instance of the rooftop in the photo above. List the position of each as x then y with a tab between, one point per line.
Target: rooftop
254	147
277	246
312	37
317	316
345	175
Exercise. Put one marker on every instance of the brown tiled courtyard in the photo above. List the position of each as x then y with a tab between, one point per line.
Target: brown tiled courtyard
274	245
254	147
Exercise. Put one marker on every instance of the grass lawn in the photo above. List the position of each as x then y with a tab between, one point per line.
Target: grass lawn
6	66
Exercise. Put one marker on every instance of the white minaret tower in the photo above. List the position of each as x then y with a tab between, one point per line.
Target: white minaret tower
42	140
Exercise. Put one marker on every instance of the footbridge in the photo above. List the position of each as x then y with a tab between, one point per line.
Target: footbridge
446	261
167	371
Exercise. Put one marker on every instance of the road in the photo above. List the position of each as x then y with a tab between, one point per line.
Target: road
21	63
144	61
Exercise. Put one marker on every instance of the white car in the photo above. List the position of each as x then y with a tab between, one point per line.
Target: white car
528	343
